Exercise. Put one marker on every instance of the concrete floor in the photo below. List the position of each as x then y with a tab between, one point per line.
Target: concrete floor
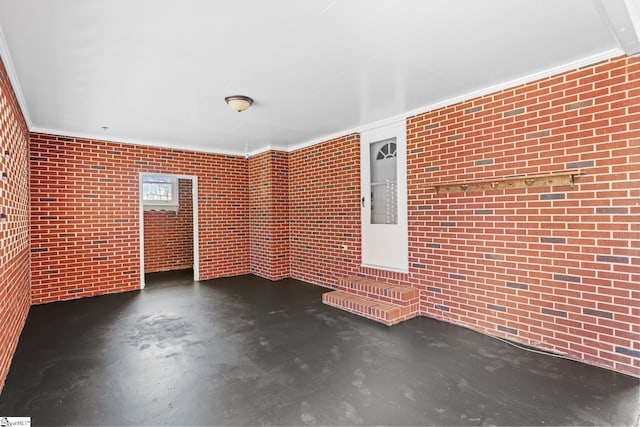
247	351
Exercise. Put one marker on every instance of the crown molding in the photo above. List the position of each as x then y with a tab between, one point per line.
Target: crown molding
270	147
130	141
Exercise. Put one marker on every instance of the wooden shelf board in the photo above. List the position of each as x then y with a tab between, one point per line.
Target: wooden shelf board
501	183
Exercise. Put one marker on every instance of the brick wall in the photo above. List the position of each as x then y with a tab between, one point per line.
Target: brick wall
85	214
15	296
555	268
324	195
269	214
168	235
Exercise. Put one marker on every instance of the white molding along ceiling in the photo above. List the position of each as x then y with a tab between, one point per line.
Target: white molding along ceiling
156	72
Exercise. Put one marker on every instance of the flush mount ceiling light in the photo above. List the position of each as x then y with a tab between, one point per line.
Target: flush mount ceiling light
239	103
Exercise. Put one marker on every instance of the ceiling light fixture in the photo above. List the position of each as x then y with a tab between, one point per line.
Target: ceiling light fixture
239	103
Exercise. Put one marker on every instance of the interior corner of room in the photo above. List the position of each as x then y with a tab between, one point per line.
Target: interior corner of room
452	182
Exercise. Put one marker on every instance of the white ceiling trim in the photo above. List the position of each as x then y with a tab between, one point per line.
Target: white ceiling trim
106	138
13	78
593	59
274	147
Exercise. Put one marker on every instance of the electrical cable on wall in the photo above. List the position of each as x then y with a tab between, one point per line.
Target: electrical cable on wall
521	347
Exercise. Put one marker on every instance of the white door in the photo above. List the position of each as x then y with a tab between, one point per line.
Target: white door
383	159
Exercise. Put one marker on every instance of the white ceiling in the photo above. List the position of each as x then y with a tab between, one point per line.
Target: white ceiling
156	71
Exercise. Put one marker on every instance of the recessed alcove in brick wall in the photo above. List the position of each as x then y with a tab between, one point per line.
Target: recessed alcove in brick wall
269	214
168	235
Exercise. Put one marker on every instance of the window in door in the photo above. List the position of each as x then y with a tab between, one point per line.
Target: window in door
384	182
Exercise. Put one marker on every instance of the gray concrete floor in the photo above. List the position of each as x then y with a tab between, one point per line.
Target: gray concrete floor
247	351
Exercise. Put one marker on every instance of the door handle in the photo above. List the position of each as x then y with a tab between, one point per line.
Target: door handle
363	201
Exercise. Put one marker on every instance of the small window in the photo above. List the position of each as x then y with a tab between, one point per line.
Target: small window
159	193
387	151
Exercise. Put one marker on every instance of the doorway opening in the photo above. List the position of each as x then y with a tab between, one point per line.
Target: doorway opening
168	207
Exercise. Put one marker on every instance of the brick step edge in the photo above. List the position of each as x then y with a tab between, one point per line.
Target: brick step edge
383	312
395	294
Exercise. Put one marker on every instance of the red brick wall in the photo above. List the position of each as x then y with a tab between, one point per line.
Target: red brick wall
555	268
324	195
269	214
15	296
85	214
324	191
168	235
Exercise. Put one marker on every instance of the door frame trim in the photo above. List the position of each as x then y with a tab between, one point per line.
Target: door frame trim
396	129
196	238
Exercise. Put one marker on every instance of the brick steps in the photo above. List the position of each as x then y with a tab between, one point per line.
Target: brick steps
401	295
382	302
